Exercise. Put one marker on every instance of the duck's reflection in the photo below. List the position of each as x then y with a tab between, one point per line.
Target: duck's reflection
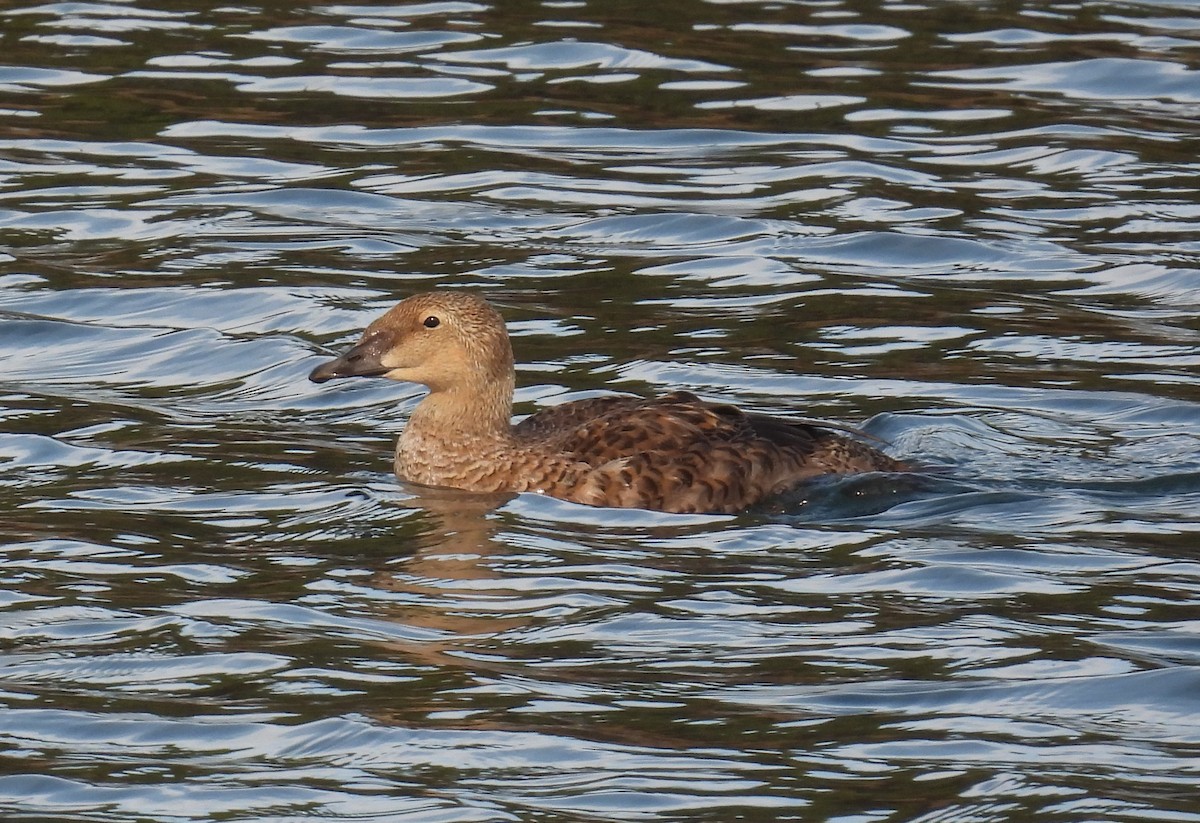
450	583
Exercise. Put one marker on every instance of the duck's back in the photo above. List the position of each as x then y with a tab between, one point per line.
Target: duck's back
679	453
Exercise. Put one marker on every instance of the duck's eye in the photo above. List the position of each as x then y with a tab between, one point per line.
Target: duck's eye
432	322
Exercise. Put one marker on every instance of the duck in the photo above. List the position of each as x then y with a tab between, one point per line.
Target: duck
672	453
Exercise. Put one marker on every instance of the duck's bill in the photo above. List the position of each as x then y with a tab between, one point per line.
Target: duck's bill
360	361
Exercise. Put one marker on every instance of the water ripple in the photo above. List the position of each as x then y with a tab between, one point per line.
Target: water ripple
968	230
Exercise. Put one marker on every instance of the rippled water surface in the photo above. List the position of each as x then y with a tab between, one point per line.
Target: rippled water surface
971	228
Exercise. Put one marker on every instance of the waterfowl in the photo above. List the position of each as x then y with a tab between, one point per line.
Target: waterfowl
673	453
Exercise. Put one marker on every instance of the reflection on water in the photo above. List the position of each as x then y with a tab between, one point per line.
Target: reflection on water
968	228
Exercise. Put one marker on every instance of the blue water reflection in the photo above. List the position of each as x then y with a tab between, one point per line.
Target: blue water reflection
967	229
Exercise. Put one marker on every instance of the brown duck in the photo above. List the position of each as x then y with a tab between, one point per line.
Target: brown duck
673	453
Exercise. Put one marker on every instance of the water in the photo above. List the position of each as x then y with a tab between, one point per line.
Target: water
969	227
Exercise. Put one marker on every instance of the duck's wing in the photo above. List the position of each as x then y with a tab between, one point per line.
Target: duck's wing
680	453
664	426
555	422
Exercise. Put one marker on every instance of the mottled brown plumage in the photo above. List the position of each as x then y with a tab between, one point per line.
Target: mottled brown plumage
673	453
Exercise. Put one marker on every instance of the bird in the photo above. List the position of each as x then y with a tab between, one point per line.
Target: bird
672	453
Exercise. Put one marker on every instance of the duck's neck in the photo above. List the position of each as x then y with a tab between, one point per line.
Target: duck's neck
464	413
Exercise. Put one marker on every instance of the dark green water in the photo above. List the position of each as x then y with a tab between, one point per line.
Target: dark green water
970	227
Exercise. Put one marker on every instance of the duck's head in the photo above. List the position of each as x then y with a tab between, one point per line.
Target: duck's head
442	340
